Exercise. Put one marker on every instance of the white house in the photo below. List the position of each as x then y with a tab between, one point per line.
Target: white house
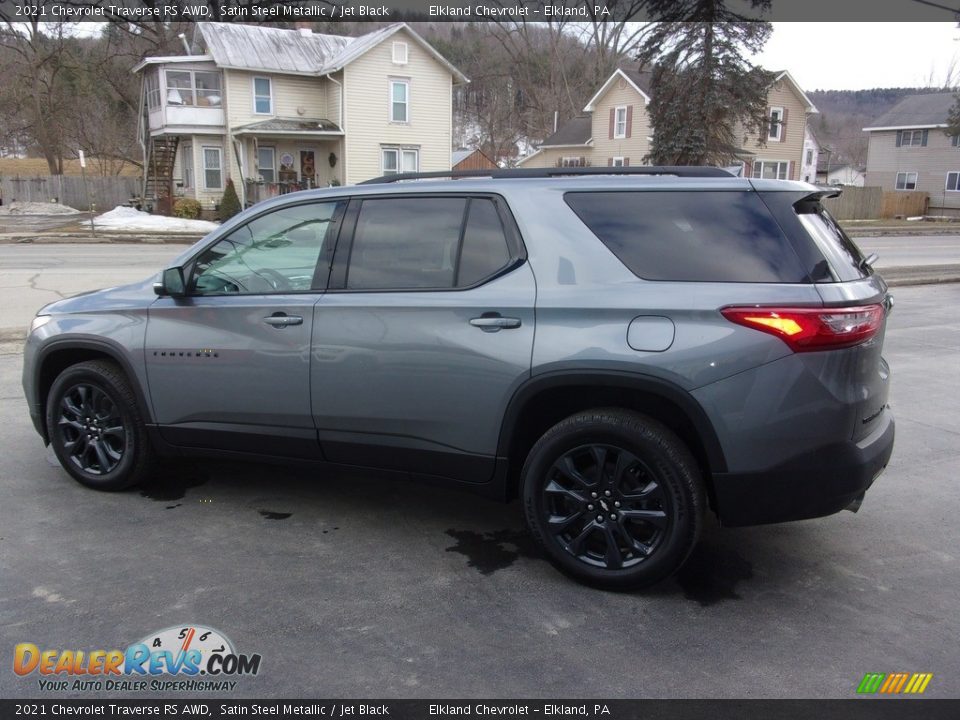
277	110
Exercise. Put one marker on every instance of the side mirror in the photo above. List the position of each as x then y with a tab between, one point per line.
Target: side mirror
171	284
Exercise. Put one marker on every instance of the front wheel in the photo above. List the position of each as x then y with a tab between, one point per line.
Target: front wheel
95	426
614	498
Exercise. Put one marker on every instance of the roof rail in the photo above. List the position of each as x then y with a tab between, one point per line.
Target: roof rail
511	173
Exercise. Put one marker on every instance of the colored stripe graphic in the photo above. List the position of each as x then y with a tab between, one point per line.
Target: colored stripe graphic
918	683
871	682
894	683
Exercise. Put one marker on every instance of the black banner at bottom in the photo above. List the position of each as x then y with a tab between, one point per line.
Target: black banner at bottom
854	709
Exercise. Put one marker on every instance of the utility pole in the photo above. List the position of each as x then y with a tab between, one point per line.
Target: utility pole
86	189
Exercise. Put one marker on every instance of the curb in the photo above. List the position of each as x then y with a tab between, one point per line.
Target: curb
858	232
102	238
920	275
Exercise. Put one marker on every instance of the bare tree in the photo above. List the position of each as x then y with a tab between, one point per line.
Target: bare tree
946	77
36	94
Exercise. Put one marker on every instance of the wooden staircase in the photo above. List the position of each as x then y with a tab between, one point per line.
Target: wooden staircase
158	178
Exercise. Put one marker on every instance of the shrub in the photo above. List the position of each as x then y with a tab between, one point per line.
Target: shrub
187	208
230	205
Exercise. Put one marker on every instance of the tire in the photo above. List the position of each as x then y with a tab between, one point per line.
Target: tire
96	427
614	498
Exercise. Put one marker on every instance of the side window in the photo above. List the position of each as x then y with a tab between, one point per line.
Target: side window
406	243
690	236
484	249
274	253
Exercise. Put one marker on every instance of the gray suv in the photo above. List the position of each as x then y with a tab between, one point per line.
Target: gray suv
623	349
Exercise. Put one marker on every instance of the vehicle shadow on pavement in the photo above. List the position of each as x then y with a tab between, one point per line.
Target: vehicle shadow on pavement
489	535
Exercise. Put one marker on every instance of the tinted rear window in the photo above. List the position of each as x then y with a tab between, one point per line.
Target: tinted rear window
691	236
406	243
842	254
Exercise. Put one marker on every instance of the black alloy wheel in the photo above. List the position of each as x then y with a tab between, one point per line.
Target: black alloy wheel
91	429
96	427
614	498
605	506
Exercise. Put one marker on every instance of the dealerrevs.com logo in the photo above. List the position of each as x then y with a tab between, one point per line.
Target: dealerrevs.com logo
184	658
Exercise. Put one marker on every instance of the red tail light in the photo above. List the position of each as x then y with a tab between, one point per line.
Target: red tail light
808	329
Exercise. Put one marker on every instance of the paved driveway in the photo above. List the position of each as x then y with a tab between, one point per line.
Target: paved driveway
356	585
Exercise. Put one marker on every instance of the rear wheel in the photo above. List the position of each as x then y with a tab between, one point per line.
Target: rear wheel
614	498
95	426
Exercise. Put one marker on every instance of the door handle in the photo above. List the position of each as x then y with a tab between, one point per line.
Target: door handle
282	320
494	322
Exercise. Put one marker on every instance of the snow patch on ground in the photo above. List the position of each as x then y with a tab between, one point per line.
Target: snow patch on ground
18	207
126	219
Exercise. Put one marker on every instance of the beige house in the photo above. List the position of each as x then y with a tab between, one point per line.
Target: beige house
280	110
909	150
615	130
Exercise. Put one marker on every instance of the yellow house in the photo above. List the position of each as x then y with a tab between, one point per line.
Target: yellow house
278	110
614	130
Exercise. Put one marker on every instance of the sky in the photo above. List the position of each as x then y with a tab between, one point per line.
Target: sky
856	56
851	55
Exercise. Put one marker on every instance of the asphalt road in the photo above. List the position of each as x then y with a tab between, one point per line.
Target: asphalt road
356	585
911	250
33	275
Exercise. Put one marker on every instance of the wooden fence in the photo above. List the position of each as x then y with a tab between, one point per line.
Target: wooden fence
856	203
904	204
105	192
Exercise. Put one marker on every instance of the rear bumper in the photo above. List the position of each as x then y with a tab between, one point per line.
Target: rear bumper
817	483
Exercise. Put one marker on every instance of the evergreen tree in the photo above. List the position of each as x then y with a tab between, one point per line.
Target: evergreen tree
953	118
707	97
230	204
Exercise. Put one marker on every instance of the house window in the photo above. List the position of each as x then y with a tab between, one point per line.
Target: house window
400	160
207	88
399	101
399	53
266	164
620	123
955	140
618	162
192	87
953	181
571	162
262	96
212	172
776	123
179	88
809	157
186	162
771	170
152	82
906	181
911	138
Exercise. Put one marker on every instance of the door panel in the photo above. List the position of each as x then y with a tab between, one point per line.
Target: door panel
228	365
409	369
217	360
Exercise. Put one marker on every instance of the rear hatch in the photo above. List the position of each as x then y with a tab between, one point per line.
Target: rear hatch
857	375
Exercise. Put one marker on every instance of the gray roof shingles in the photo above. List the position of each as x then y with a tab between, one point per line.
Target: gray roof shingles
263	48
573	132
923	110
